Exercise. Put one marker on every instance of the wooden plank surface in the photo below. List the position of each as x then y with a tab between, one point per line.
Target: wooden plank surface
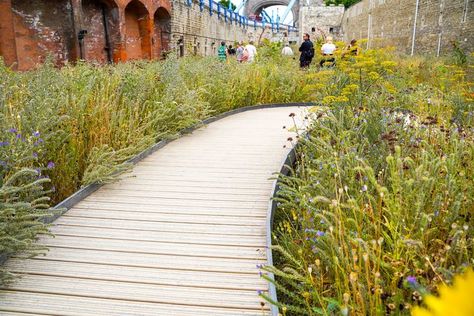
181	234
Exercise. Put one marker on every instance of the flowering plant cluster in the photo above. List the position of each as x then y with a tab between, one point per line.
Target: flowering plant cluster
378	211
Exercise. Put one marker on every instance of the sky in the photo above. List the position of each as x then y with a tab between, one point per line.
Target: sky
275	10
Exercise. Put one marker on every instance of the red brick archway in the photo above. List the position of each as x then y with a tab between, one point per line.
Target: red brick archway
138	29
162	31
101	20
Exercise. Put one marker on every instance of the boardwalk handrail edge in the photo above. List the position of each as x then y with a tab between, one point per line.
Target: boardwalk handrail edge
84	192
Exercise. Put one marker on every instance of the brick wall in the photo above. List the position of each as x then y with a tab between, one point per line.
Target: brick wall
391	22
41	30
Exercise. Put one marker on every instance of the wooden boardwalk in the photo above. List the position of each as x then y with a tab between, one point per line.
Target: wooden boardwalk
181	235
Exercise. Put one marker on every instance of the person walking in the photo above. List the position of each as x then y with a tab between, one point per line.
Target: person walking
328	50
287	51
307	52
239	52
222	52
252	51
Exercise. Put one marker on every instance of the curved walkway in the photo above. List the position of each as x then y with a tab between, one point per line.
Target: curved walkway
181	235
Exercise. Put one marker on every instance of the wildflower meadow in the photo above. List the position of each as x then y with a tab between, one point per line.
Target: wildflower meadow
378	210
377	214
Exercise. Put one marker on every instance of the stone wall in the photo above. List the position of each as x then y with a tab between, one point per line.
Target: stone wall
196	31
319	20
434	27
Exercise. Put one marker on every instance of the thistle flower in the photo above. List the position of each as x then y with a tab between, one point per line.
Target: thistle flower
411	280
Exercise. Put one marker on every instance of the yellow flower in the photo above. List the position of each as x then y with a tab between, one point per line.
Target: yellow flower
373	75
342	98
349	89
388	64
453	301
328	100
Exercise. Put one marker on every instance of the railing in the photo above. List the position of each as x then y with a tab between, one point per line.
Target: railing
230	16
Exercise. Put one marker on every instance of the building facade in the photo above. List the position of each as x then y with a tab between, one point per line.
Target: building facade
67	30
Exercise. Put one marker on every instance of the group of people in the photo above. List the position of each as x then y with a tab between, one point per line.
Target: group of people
242	53
248	52
328	50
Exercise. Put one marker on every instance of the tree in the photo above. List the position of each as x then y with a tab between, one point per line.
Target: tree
346	3
225	4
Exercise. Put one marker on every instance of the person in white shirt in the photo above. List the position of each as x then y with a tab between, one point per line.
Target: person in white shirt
252	51
287	51
328	50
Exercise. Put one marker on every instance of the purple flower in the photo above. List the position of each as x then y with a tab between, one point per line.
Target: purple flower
3	163
36	134
319	233
13	130
2	144
364	188
18	136
259	292
38	170
50	165
411	279
35	154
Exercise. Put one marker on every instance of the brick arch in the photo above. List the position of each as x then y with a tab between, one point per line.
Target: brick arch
148	4
161	4
101	19
161	31
138	27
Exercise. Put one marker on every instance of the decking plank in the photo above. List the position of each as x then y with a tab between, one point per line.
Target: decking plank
216	280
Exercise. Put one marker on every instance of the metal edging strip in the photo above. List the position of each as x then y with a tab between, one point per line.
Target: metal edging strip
285	170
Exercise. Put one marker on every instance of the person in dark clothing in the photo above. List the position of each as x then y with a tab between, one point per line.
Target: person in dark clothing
231	50
307	52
